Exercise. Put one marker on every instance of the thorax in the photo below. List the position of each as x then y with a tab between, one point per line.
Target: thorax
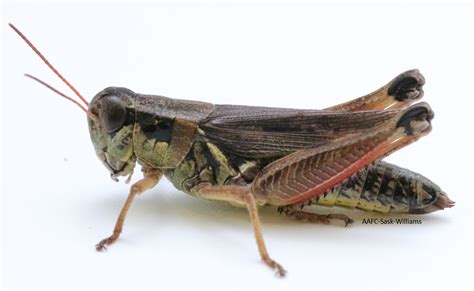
207	163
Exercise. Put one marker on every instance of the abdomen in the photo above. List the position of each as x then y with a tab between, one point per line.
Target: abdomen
386	188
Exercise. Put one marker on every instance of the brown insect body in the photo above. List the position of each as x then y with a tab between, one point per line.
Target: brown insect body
196	142
251	156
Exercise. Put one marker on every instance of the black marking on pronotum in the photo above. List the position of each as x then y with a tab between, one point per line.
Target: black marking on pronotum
157	128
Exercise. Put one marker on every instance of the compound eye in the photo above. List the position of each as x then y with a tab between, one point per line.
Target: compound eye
113	113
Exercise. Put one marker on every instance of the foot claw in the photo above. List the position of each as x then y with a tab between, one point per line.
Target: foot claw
280	271
321	218
347	220
101	246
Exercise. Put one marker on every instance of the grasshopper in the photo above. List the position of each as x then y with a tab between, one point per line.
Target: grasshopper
253	156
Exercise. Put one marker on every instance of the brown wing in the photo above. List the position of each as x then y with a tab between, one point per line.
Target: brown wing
263	132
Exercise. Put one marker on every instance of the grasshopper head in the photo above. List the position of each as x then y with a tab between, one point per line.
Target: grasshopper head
111	129
111	116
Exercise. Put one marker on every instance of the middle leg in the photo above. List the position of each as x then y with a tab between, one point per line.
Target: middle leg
241	195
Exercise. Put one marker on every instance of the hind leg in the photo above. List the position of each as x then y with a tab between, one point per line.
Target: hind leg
403	90
314	217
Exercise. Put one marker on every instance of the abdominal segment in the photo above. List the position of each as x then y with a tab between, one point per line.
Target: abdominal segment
386	188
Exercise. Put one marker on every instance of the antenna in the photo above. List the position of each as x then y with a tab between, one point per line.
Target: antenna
50	66
57	92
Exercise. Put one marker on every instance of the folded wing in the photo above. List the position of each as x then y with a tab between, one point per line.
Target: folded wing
263	132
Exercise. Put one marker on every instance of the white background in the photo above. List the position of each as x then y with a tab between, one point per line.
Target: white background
58	200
